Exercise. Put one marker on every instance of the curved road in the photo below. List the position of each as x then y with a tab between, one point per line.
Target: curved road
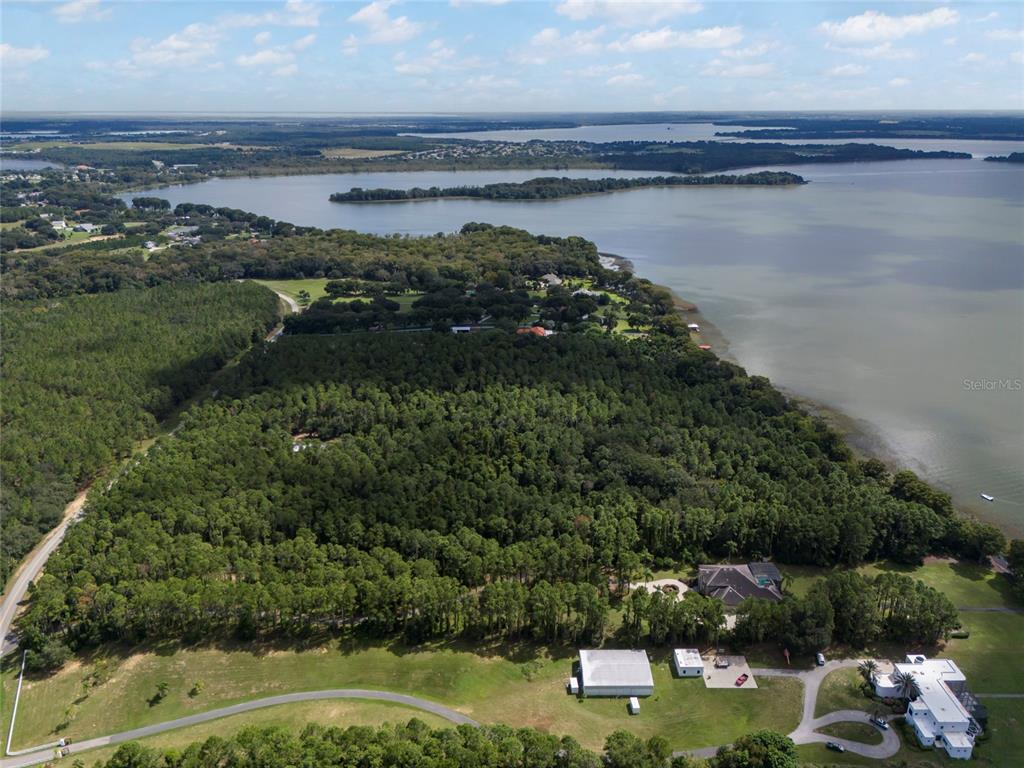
38	755
806	731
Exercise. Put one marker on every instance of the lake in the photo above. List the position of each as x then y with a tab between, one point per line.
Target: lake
891	292
706	132
14	164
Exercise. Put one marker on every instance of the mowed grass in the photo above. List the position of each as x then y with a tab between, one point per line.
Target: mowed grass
517	687
862	732
294	717
841	690
993	656
1001	747
314	286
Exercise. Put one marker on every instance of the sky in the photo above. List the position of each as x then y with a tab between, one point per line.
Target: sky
220	56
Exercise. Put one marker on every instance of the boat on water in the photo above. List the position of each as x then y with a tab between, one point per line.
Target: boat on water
988	497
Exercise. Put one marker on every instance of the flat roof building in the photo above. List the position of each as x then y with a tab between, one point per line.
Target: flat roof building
938	712
615	673
687	662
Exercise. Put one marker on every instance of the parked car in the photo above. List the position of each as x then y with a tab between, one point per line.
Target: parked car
835	746
820	658
721	662
880	722
742	679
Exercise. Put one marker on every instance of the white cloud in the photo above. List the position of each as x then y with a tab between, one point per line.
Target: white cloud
382	27
295	13
899	82
1017	57
19	57
991	16
626	13
286	71
269	57
262	38
550	43
750	52
973	58
600	70
303	42
80	10
873	26
950	41
846	70
618	81
882	52
1006	34
660	39
719	68
350	45
468	3
662	99
192	45
438	58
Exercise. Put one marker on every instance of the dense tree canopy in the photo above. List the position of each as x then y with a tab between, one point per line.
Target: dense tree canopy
86	377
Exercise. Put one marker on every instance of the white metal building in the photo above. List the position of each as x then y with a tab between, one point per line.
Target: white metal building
615	673
687	662
937	714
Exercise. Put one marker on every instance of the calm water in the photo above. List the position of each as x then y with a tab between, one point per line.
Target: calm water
706	132
892	292
12	164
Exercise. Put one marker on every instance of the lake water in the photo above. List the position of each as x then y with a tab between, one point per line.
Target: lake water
706	132
13	164
892	292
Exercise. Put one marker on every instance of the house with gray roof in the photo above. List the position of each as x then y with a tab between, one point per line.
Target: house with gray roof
732	584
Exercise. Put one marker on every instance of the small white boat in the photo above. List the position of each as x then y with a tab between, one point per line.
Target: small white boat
987	497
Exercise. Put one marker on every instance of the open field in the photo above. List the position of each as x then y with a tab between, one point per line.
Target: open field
294	717
993	656
350	153
862	732
520	687
314	285
841	690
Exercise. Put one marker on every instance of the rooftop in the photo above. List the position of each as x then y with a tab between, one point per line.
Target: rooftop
615	668
732	584
687	657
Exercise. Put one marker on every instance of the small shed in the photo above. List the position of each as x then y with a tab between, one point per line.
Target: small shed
574	686
687	662
634	705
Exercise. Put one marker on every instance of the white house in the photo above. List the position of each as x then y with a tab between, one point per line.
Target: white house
615	673
937	713
687	662
59	224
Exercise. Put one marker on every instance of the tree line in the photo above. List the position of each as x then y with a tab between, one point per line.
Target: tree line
553	187
415	744
84	378
431	485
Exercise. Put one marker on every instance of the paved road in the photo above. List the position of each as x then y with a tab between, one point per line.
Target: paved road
31	568
41	756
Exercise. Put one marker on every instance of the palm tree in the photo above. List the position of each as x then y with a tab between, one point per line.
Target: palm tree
906	684
868	668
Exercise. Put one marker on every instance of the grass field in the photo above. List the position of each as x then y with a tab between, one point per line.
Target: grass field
514	687
314	285
292	716
841	690
862	732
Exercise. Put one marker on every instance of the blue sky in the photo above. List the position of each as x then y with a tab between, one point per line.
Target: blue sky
489	55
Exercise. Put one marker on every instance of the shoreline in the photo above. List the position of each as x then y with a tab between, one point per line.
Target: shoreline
863	438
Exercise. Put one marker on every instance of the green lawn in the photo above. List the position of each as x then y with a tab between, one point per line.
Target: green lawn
292	716
841	690
314	285
993	656
862	732
520	687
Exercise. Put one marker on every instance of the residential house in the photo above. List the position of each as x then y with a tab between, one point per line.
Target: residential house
732	584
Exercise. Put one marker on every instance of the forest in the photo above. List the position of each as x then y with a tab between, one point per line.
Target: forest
476	252
553	187
84	378
416	744
433	485
1013	157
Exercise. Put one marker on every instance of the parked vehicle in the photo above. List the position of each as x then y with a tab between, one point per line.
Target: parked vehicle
835	746
880	722
742	679
721	662
820	658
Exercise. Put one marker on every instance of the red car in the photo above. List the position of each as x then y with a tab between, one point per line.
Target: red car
741	680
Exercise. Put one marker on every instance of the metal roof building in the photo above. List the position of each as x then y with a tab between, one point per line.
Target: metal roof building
687	662
615	673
